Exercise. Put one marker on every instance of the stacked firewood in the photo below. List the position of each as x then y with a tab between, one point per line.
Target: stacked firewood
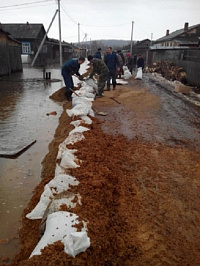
169	71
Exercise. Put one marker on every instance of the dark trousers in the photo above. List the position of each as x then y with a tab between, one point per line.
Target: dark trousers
69	84
111	74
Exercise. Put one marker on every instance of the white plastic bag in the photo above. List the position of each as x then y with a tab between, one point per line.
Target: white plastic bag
139	73
68	160
57	185
76	243
127	73
79	110
92	83
60	226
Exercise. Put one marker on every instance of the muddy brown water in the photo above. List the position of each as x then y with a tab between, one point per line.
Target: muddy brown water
24	102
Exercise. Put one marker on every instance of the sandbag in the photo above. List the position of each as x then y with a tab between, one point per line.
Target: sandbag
139	73
61	226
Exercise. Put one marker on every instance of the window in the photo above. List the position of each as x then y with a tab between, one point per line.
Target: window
26	48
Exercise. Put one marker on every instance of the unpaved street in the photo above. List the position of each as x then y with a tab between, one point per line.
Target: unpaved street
139	181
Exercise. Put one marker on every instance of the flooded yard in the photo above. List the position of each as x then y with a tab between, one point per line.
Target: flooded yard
24	103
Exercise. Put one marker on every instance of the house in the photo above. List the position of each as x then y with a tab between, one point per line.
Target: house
30	36
185	37
10	54
182	48
140	47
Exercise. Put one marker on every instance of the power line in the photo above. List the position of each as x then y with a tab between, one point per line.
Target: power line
68	15
25	4
97	26
142	29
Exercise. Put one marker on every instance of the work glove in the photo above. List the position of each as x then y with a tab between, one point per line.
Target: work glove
80	78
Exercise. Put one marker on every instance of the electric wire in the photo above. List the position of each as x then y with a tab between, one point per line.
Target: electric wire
25	4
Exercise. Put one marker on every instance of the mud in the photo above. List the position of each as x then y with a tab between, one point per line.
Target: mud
139	189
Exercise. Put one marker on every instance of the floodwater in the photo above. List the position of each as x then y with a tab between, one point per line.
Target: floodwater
24	103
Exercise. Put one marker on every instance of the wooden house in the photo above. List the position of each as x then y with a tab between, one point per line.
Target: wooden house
30	36
139	47
10	54
185	37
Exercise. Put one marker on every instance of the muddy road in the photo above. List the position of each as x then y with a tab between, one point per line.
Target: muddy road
139	180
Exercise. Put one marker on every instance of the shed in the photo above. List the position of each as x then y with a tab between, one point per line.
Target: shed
10	54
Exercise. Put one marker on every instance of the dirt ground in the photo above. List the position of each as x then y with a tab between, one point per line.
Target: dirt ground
140	198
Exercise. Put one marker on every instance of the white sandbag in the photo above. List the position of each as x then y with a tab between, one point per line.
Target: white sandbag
86	119
127	73
59	170
139	73
83	119
40	208
88	88
57	185
68	160
125	68
76	243
62	149
76	123
83	93
67	199
73	138
92	83
61	183
76	81
79	129
79	100
61	226
79	110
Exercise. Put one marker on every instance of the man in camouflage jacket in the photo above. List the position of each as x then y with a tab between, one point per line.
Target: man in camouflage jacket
100	68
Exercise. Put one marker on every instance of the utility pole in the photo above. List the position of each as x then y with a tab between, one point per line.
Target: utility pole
79	48
44	38
86	44
131	38
151	38
59	22
90	46
78	34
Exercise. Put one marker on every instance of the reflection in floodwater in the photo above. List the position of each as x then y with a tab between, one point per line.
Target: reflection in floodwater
24	102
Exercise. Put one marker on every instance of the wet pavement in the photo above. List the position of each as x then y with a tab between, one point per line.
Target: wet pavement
24	103
156	113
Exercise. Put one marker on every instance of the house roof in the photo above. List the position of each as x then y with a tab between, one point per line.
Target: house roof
8	35
23	31
175	34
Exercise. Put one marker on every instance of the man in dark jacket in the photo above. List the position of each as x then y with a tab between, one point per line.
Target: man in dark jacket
140	62
70	68
101	69
113	65
131	62
98	54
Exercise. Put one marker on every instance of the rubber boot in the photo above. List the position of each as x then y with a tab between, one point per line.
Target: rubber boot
114	85
68	95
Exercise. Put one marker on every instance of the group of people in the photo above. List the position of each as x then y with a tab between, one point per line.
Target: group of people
108	68
134	62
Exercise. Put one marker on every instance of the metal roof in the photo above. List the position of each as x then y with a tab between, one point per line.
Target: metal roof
175	34
23	31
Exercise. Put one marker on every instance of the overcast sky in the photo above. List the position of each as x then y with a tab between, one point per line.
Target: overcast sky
101	19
